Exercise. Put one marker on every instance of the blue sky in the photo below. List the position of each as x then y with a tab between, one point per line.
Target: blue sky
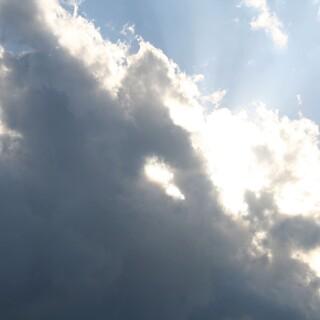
214	38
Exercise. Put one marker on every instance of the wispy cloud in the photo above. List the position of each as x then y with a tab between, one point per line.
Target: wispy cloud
317	4
268	21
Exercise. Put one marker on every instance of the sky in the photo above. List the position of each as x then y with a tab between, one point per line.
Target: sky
159	160
214	38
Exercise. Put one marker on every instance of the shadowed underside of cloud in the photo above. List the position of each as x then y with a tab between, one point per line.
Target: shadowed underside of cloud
92	137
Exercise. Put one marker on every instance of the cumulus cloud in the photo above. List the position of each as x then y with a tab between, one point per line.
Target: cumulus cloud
274	154
268	21
105	142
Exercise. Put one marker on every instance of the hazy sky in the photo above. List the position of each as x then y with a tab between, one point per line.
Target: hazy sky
159	160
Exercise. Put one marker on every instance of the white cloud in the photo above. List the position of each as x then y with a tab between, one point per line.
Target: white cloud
311	258
244	151
5	131
260	151
128	29
216	97
263	153
317	3
160	173
299	99
142	104
268	21
82	40
75	4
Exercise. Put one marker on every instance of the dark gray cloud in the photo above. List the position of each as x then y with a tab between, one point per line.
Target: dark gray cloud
84	235
297	232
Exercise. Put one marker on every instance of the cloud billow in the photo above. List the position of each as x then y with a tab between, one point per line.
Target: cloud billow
85	233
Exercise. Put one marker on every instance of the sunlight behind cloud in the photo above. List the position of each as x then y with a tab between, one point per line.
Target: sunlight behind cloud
312	259
261	152
160	173
83	41
131	194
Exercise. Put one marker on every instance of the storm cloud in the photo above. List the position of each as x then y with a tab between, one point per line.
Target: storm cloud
86	235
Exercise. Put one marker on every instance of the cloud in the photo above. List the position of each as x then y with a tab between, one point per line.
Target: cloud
268	21
128	29
216	97
317	3
274	154
86	234
161	174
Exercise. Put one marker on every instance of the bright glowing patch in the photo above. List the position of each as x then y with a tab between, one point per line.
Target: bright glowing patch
258	247
263	153
312	259
226	143
161	174
3	68
259	151
74	33
5	131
